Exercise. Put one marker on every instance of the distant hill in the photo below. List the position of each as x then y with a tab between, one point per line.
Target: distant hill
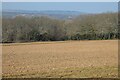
59	14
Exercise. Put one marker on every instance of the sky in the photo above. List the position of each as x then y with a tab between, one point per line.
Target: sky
89	7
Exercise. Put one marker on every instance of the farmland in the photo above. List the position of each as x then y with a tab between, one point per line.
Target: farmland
70	59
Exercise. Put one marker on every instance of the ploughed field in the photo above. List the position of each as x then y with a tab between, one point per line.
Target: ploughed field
62	59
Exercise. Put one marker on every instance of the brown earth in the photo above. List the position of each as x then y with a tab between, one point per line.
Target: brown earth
97	58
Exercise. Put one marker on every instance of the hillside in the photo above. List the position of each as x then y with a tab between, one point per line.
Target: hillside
102	26
58	14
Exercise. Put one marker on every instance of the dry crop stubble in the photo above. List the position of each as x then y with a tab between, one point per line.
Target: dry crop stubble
95	58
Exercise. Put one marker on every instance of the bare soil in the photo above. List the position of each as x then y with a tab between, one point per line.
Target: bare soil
95	58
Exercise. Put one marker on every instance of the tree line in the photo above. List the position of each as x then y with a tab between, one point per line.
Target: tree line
84	27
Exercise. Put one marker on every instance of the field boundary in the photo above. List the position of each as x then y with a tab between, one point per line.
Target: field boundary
49	42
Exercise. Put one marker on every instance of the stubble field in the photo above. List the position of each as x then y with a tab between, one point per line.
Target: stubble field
62	59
